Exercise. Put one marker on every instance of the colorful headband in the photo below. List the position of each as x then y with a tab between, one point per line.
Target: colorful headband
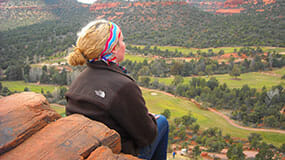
106	55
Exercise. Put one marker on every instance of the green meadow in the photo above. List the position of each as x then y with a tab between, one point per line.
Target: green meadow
279	72
59	110
137	58
253	79
157	102
185	50
19	86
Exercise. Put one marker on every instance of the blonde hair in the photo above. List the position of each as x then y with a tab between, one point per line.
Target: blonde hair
90	42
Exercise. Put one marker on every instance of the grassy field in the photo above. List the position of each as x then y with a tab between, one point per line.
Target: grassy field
253	79
158	102
20	86
59	110
185	50
137	58
280	72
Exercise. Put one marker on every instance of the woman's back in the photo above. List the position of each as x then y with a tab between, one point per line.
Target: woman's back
104	93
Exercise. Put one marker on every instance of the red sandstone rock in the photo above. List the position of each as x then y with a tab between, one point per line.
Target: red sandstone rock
21	115
102	153
72	137
106	153
126	157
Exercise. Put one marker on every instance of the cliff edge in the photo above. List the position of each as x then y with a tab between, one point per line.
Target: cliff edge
30	129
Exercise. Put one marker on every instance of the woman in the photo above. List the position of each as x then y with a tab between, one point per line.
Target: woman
105	93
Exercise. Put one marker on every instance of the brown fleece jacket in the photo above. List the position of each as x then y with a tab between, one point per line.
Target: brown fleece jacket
104	93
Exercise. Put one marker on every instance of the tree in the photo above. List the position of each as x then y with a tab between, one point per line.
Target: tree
221	52
271	121
231	61
5	91
166	113
195	128
62	91
282	148
235	71
254	140
209	70
177	79
177	121
212	83
265	152
14	73
176	68
187	120
144	71
235	152
215	144
144	80
182	133
196	151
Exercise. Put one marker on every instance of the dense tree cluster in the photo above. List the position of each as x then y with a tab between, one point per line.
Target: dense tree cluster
205	66
213	139
189	27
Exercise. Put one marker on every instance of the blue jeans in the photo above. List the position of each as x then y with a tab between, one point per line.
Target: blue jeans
158	149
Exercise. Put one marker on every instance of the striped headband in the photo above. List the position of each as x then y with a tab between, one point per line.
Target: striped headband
106	55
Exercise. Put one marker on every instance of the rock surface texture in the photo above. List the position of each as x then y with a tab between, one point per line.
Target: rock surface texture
31	130
22	115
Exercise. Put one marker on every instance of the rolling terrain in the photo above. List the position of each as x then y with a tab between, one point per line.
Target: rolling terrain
207	39
178	106
45	27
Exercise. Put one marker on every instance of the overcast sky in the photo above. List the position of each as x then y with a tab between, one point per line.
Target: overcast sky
87	1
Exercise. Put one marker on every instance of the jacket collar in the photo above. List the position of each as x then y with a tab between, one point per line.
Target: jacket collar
111	67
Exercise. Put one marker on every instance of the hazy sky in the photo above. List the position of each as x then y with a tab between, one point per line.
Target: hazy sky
86	1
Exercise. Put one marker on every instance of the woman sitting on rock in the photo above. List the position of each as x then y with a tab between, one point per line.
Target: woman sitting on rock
105	93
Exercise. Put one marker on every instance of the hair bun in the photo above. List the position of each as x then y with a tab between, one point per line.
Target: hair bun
76	58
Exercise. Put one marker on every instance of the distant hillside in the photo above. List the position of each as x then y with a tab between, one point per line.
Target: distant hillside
55	30
49	26
16	13
181	24
230	6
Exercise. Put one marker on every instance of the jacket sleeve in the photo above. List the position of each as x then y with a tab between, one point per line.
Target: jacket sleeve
130	112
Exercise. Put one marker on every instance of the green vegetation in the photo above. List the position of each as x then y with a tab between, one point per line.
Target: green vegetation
158	102
279	71
252	79
136	58
13	18
59	110
19	86
186	51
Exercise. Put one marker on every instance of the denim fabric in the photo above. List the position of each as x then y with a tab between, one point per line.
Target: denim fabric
158	149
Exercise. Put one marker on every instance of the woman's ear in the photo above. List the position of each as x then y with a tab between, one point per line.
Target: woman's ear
115	51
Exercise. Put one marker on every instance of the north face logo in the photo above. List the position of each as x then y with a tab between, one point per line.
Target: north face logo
100	93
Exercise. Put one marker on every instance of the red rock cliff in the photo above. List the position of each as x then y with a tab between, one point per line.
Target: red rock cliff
30	129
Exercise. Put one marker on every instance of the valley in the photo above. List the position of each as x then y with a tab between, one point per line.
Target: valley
215	67
178	106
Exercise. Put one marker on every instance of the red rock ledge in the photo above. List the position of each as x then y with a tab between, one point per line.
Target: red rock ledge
31	130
